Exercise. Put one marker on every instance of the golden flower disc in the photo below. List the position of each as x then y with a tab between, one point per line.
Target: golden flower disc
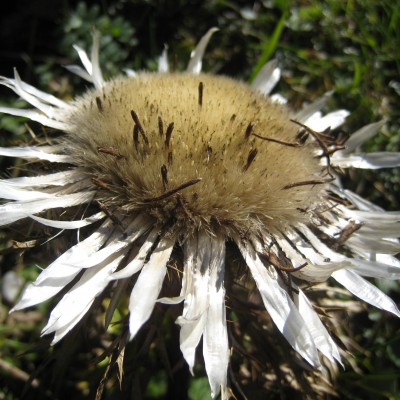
196	150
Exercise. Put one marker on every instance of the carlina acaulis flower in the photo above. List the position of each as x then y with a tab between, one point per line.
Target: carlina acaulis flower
180	173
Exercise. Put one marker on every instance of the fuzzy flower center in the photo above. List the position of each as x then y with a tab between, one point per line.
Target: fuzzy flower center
197	151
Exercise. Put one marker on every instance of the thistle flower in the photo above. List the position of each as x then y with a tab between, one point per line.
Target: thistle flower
182	173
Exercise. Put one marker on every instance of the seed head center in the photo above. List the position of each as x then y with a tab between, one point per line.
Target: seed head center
197	150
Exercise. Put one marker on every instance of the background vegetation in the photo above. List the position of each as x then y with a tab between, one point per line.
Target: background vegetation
350	47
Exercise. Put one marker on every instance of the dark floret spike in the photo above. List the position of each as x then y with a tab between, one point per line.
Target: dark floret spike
164	175
311	182
136	136
248	130
282	142
250	159
168	134
99	104
112	151
201	90
140	127
99	183
319	137
302	136
173	191
160	126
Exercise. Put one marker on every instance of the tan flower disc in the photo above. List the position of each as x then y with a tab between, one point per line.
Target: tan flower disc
200	151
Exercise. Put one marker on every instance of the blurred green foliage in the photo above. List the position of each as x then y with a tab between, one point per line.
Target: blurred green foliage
350	47
116	33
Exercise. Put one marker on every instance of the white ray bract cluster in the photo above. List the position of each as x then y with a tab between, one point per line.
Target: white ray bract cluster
96	259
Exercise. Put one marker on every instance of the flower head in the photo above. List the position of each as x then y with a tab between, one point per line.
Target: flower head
199	174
